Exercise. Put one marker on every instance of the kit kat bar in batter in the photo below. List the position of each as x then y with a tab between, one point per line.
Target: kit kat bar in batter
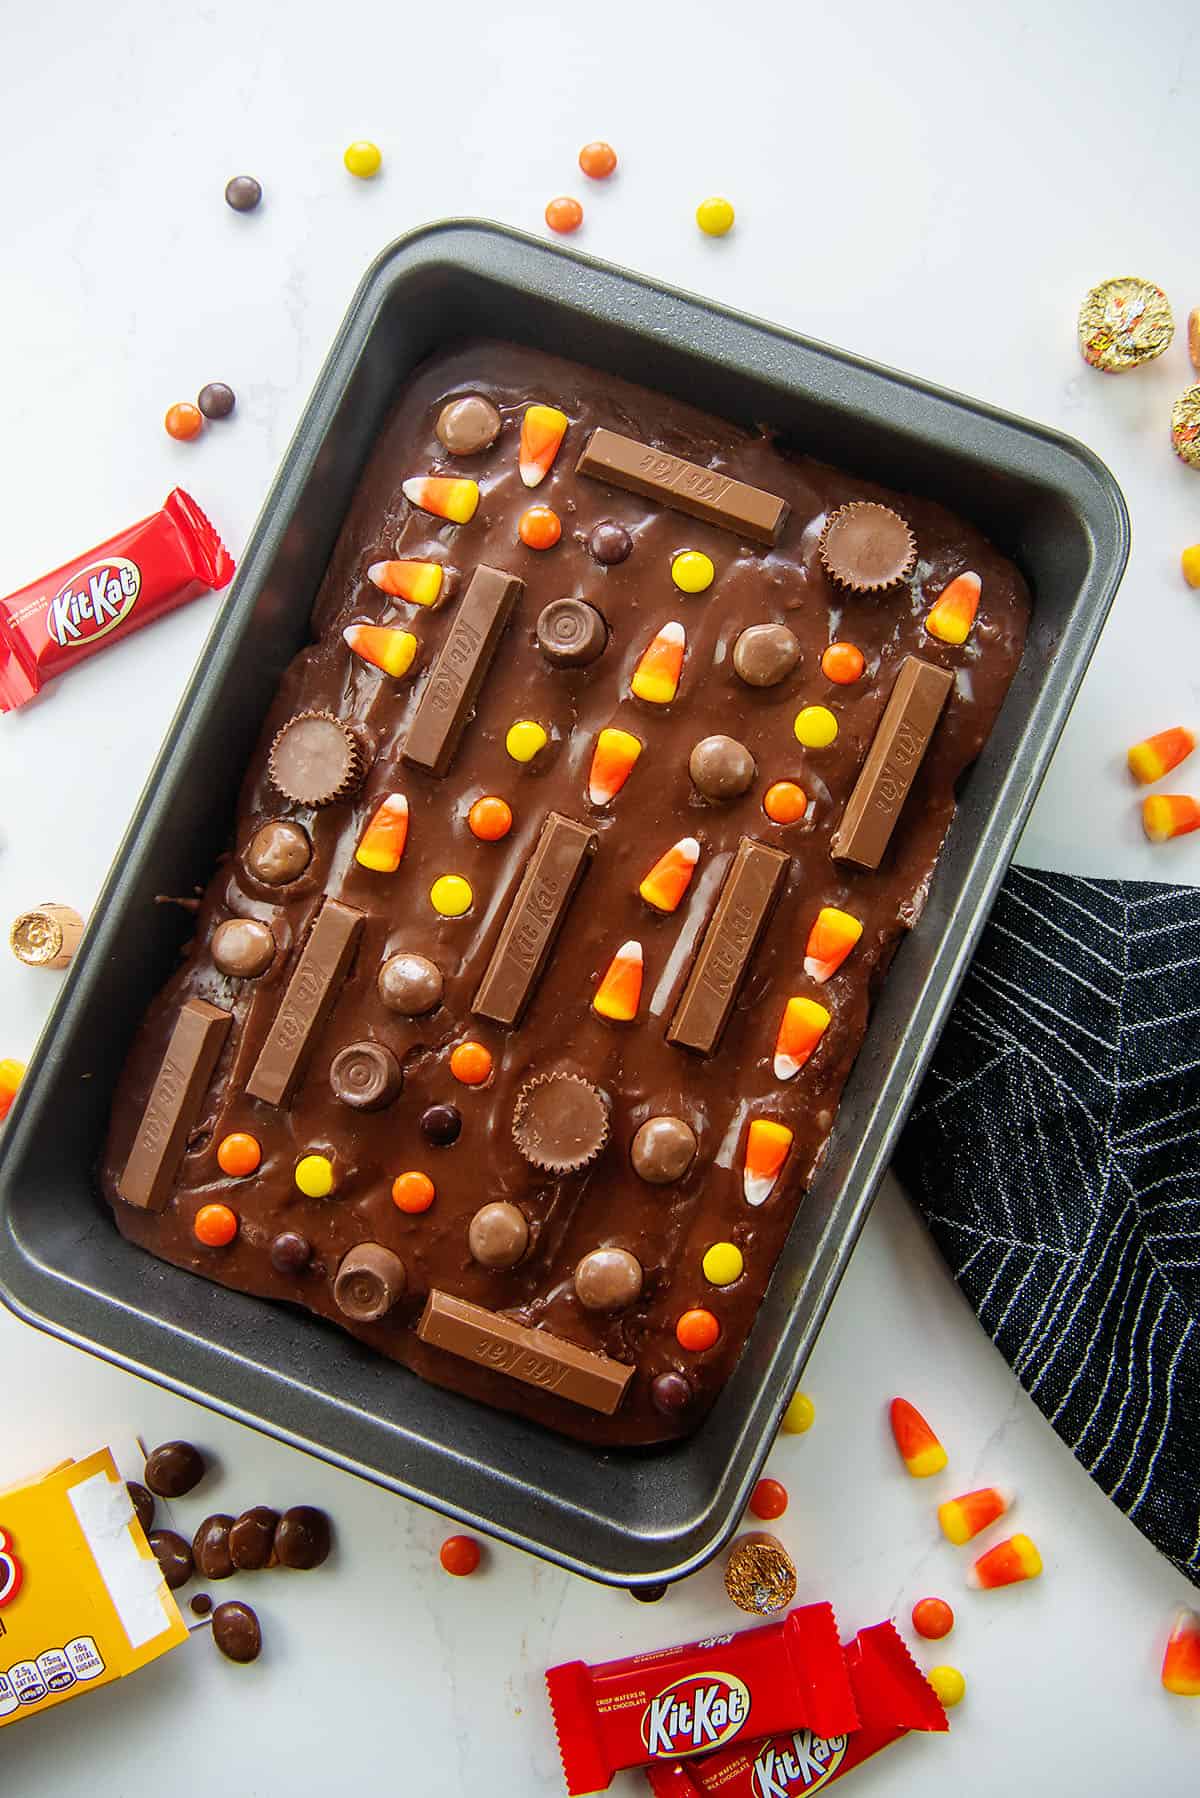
307	1002
456	677
559	862
746	901
684	486
897	751
174	1104
534	1357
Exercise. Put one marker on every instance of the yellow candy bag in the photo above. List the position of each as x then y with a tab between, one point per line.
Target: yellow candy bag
82	1599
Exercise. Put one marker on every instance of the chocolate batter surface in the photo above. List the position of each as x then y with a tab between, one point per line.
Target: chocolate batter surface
665	1225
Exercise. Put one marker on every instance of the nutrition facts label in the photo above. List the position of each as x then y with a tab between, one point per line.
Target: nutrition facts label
28	1682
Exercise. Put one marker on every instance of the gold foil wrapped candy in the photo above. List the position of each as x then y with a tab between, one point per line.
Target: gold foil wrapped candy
1123	323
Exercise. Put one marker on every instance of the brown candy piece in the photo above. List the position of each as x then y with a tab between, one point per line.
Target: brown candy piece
252	1538
369	1282
142	1501
46	937
316	760
468	425
560	1122
671	1393
365	1076
201	1604
534	1357
278	853
608	1279
310	996
663	1150
173	1469
173	1556
561	858
740	916
410	984
760	1575
609	543
765	654
242	948
570	633
1193	337
303	1538
498	1234
236	1631
866	547
447	702
179	1087
721	767
903	735
684	486
210	1547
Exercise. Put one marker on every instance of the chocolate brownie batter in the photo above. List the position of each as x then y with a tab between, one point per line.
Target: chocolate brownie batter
597	1242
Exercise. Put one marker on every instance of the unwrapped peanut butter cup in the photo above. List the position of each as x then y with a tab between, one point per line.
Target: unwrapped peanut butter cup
316	759
866	547
560	1122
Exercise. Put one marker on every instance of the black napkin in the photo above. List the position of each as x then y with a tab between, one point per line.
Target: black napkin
1055	1154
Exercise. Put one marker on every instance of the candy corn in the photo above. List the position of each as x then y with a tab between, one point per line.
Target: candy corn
767	1145
391	650
420	583
1190	563
670	877
803	1025
952	615
384	838
447	496
542	431
656	677
1166	815
11	1075
1158	754
612	763
962	1518
1006	1565
1181	1662
830	941
920	1449
620	990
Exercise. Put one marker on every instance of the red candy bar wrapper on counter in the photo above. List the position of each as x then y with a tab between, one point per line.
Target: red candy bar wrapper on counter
892	1698
648	1707
106	593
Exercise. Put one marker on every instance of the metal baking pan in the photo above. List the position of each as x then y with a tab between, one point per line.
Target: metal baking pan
624	1517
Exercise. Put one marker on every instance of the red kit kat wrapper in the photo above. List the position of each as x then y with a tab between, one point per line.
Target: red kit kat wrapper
106	593
785	1675
892	1697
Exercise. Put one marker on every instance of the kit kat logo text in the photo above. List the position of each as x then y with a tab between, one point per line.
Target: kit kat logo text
94	601
695	1713
11	1572
793	1766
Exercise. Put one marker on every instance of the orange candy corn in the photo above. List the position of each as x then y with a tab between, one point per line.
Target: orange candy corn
452	497
920	1449
619	992
1158	754
670	877
384	838
391	650
830	941
803	1025
656	677
1166	815
962	1518
1181	1662
1006	1565
952	615
613	758
11	1075
767	1145
542	431
420	583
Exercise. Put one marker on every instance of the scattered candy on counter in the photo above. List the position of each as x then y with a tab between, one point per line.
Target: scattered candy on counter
933	1619
46	937
539	528
1123	323
964	1518
668	880
542	431
769	1500
1007	1564
452	497
1157	755
648	1594
391	651
236	1631
183	421
11	1075
564	214
1193	337
243	193
420	583
174	1469
715	216
1167	815
951	616
798	1419
598	160
949	1684
620	990
216	400
459	1555
760	1575
363	159
1185	427
1181	1660
920	1450
767	1145
1190	563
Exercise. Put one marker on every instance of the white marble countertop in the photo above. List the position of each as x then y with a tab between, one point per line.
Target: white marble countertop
934	187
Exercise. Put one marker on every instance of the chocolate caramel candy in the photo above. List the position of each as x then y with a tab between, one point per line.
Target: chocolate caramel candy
570	633
369	1282
365	1076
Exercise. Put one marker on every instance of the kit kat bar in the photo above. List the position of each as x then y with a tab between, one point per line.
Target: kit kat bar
684	486
532	1356
454	680
308	1001
731	936
558	864
897	751
174	1103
